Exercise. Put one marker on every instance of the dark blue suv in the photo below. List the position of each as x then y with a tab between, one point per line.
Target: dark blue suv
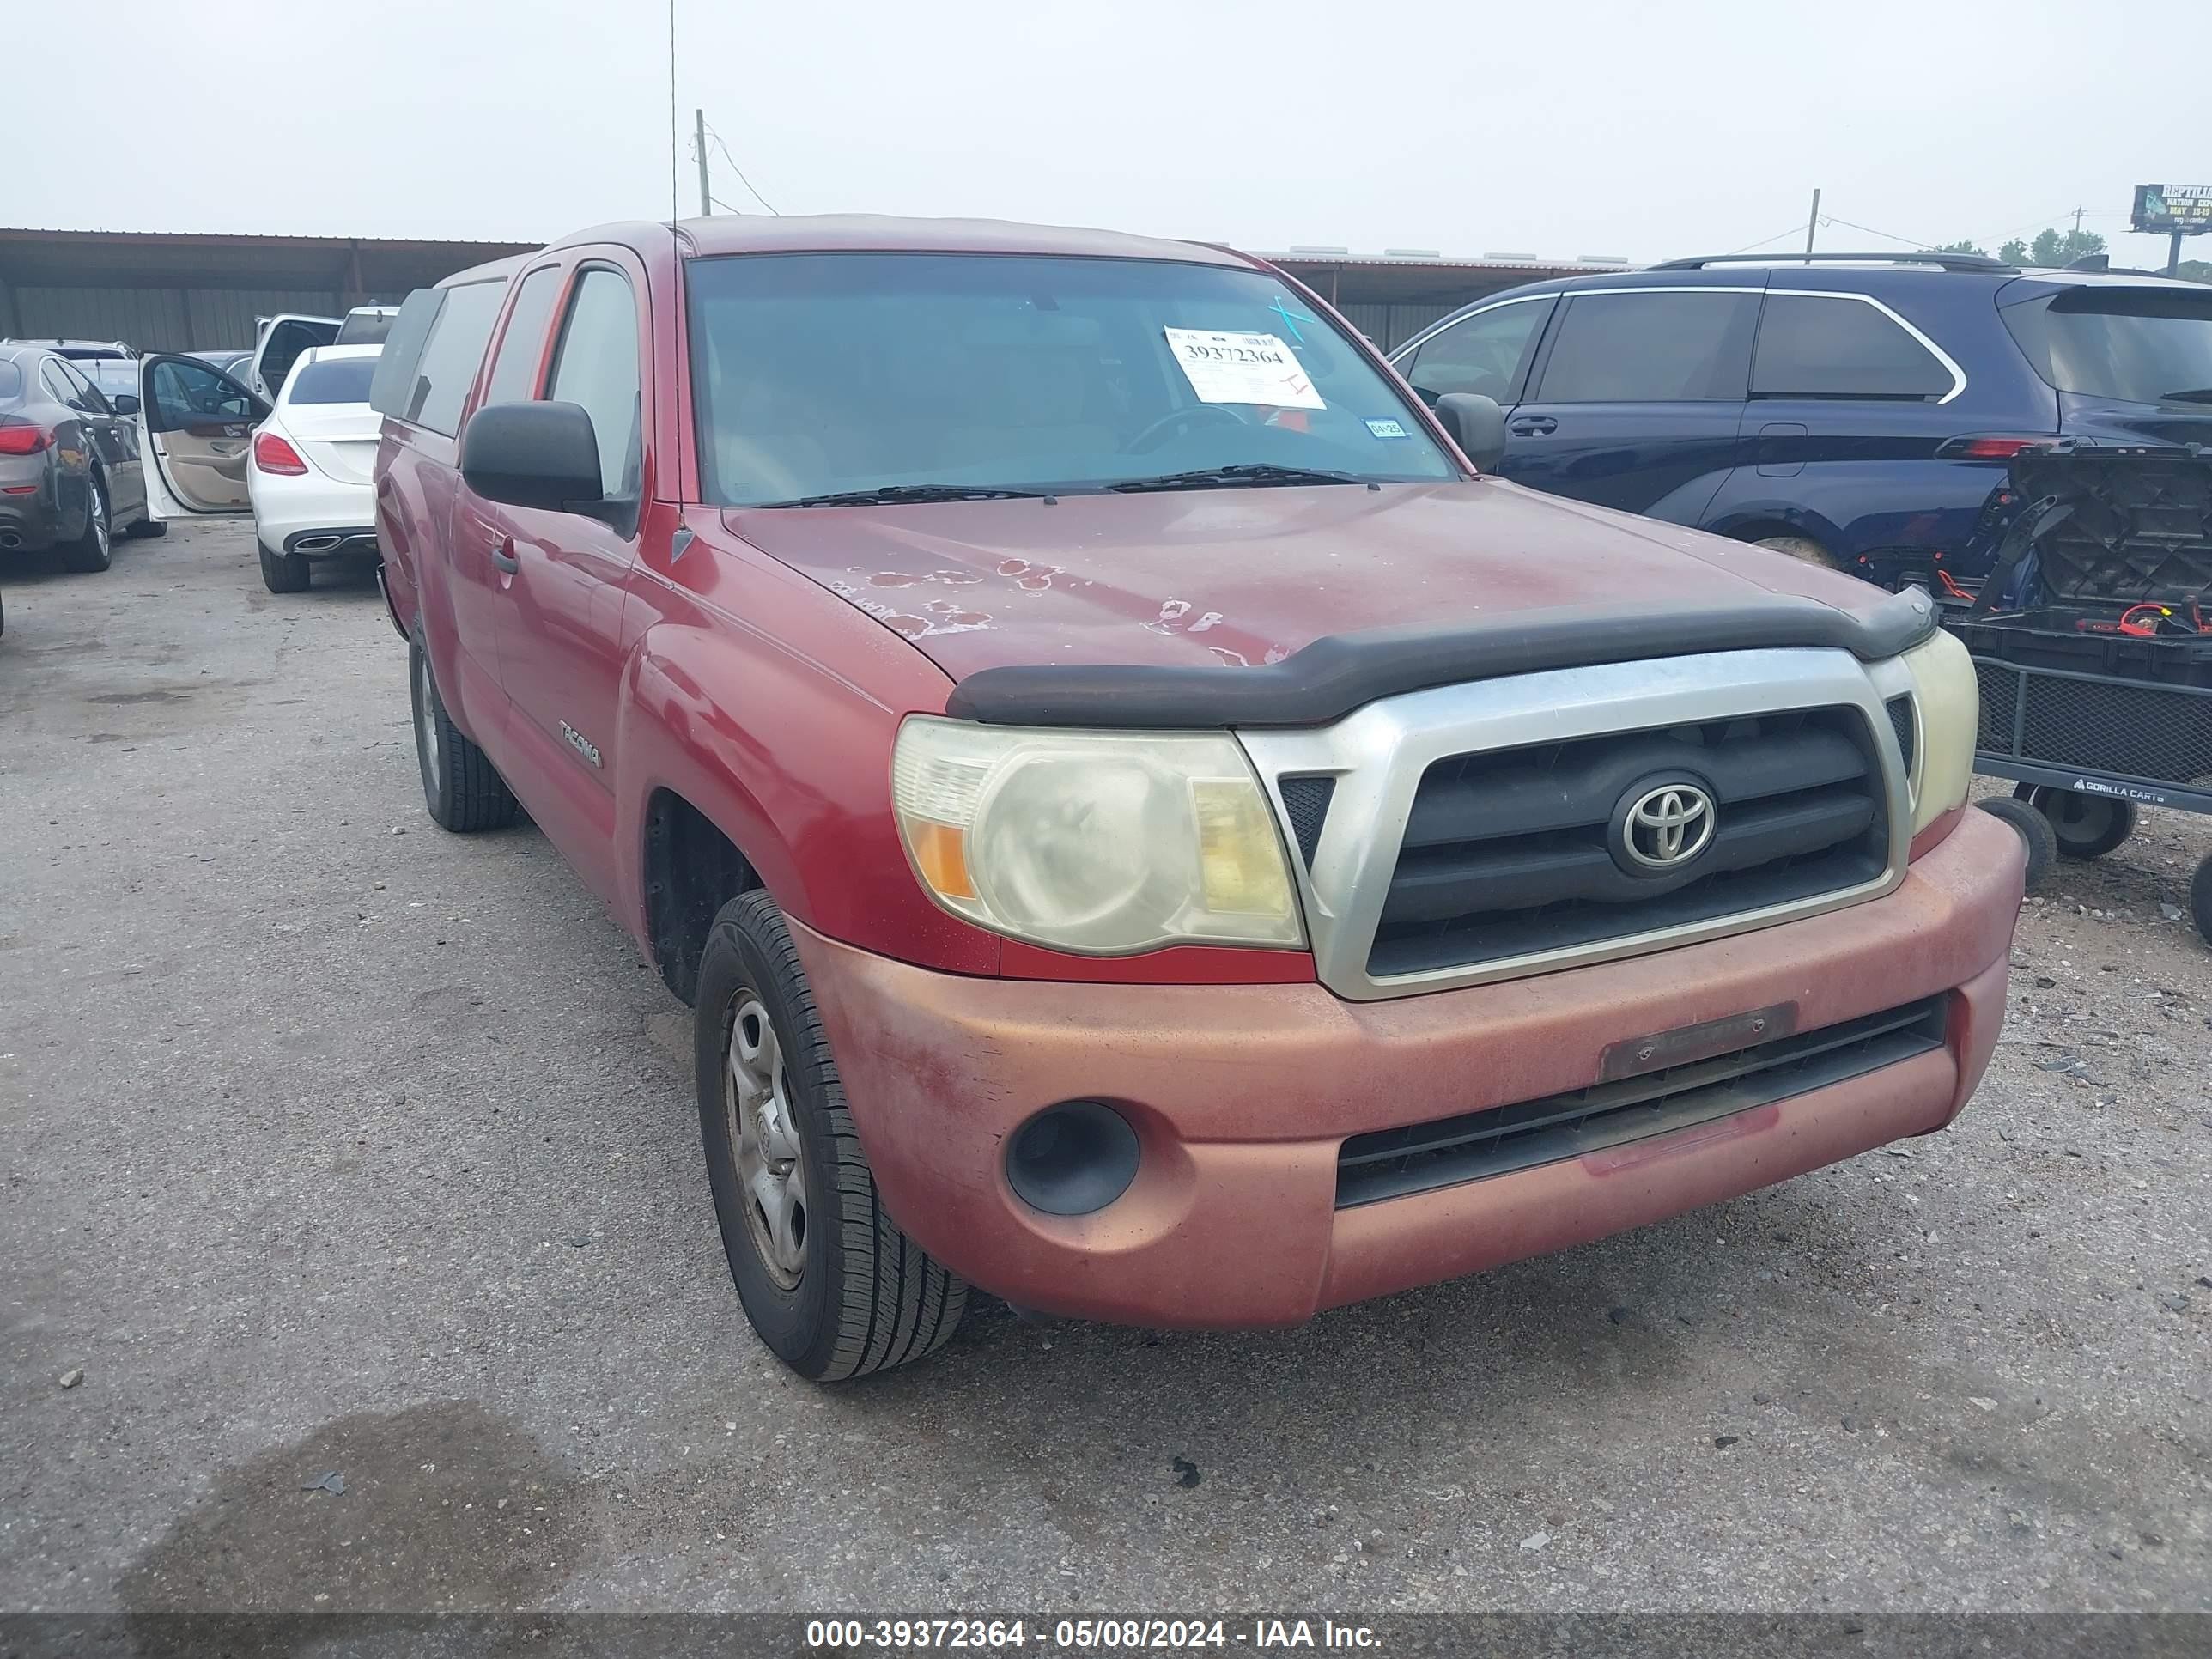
1858	410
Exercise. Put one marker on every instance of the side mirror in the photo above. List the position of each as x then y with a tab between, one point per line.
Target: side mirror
1477	425
124	403
533	454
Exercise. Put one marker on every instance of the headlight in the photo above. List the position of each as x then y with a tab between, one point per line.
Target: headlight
1949	704
1101	843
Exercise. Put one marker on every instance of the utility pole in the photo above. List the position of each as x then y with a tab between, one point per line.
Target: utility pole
699	141
2078	212
1812	224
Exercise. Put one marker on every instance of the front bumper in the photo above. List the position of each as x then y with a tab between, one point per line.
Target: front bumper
1241	1096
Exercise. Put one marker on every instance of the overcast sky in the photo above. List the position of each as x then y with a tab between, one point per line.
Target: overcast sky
1641	130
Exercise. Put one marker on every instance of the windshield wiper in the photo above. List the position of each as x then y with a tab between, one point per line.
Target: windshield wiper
2198	394
1241	475
892	494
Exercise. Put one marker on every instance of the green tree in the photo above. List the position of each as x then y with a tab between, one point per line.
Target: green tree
2052	247
1960	247
2198	271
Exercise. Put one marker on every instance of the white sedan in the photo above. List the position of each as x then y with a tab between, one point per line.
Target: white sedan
310	474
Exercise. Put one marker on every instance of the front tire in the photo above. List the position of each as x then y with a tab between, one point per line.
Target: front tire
830	1283
2033	828
92	551
2087	826
2200	900
462	788
282	573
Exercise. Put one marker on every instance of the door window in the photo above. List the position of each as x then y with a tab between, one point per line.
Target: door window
1632	348
1812	345
596	366
451	355
1487	353
187	392
514	371
59	389
84	394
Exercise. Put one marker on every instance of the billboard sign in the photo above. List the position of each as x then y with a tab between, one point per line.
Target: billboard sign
2171	210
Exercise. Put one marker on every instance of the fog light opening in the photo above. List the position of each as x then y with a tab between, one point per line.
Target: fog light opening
1073	1158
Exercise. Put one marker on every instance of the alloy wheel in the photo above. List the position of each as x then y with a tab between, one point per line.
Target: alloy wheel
771	1161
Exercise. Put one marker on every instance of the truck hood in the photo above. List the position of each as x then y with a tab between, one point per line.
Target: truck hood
1246	577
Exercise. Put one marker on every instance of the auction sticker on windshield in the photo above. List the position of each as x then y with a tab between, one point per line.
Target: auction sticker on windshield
1234	367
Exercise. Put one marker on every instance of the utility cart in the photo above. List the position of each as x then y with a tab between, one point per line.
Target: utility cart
2092	641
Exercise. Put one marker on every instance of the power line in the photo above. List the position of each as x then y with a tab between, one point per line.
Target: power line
740	171
1763	241
1887	236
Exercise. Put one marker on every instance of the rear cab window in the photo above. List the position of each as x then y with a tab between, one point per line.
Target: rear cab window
2137	345
522	345
437	373
1631	347
393	382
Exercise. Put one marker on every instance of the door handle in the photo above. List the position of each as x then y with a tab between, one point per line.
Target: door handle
1532	425
503	556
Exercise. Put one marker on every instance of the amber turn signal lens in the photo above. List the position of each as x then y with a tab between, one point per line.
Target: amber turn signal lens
940	853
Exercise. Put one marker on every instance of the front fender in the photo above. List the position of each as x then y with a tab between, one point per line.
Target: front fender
777	726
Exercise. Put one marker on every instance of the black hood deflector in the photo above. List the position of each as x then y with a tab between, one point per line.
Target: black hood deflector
1339	673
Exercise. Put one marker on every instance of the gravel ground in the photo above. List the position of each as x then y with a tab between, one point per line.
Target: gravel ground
337	1145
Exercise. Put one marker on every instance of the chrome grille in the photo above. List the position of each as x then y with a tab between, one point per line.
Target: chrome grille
1462	834
1511	852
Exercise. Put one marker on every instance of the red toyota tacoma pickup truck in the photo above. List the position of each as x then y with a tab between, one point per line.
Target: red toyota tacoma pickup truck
1147	828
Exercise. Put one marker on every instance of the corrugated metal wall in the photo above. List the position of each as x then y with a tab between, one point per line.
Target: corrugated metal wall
1390	326
169	318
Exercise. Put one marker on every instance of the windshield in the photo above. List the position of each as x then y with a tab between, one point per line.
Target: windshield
827	373
2138	345
344	380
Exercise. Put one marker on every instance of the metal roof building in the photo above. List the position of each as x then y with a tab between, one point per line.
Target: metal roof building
1391	296
164	291
161	291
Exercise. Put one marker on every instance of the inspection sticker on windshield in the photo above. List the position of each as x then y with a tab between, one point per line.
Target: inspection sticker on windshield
1386	429
1236	367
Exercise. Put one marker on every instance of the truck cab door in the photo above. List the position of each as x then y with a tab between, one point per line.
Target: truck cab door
1638	400
562	646
195	437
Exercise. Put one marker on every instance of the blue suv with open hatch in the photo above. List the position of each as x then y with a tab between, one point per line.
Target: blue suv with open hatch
1853	409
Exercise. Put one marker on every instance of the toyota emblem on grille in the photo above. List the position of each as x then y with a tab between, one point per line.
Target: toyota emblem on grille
1665	826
